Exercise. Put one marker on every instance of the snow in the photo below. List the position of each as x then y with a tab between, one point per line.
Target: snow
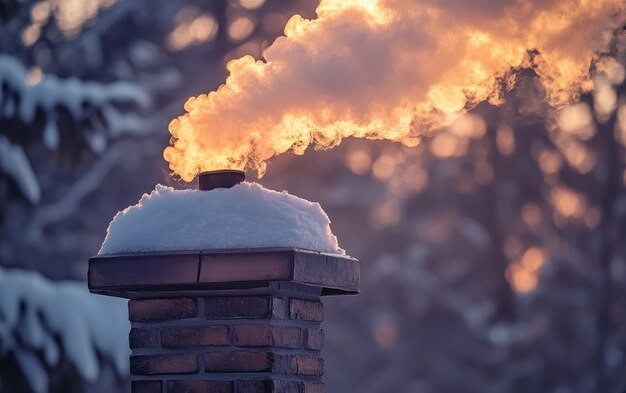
244	216
59	320
72	94
15	164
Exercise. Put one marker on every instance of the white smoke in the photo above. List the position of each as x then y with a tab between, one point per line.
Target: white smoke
386	70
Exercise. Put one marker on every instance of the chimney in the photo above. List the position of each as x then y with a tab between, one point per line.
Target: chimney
225	321
224	178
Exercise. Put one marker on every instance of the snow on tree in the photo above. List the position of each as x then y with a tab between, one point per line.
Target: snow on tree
56	101
44	323
22	96
15	164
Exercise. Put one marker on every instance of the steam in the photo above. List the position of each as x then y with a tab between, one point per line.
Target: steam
386	69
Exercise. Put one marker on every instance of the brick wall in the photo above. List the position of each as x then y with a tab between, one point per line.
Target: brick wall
236	342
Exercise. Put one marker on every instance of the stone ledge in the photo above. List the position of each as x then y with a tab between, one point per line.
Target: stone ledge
155	274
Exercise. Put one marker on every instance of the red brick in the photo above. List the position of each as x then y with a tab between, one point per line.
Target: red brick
156	310
177	337
298	365
310	387
309	365
314	339
284	364
199	387
306	310
237	307
280	386
145	387
268	386
280	308
268	336
264	386
163	364
238	361
143	338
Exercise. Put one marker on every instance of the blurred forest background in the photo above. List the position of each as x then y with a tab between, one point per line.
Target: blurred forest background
493	252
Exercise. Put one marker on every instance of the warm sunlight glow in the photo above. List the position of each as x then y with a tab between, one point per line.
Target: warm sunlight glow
386	333
34	76
192	28
568	203
72	15
550	162
620	127
30	35
384	167
531	214
359	161
240	28
386	214
251	4
394	69
446	146
523	275
505	140
577	121
604	98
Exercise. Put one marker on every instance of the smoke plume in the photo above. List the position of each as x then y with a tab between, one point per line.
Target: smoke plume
386	69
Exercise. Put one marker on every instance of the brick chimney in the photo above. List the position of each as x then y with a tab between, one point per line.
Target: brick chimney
229	321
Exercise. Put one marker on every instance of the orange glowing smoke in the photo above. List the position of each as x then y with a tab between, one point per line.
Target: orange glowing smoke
386	69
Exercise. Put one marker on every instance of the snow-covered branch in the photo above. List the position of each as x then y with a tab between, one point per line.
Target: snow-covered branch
102	112
43	322
23	94
15	164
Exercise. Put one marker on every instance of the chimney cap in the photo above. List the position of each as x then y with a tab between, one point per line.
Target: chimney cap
223	178
154	274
